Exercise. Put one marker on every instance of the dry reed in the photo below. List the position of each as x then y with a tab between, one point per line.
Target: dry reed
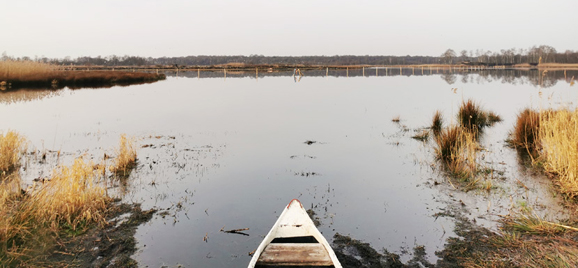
126	156
437	123
28	74
69	201
558	135
12	145
525	134
18	69
472	117
457	148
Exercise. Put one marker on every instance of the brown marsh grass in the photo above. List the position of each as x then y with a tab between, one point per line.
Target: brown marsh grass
525	134
472	117
558	137
12	145
437	123
18	74
66	204
126	156
457	148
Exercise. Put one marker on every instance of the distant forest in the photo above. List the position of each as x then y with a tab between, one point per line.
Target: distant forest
533	55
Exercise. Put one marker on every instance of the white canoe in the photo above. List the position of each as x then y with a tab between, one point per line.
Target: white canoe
294	241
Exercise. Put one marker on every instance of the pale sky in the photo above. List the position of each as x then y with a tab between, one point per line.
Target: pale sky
59	28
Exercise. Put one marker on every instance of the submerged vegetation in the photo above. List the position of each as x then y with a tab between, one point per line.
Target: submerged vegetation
66	204
29	74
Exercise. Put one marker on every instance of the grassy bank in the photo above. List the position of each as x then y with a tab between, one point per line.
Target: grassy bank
550	139
28	74
72	200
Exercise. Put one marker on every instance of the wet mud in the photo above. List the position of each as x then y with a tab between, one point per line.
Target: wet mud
108	246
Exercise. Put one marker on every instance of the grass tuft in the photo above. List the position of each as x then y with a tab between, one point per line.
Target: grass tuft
12	145
525	134
66	204
437	123
472	117
126	156
457	148
558	138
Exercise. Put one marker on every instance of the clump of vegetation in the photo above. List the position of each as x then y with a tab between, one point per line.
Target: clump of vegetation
558	138
12	69
29	74
437	123
472	117
457	148
12	145
525	134
126	156
524	240
66	204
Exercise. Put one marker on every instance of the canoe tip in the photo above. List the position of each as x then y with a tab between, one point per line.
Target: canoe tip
294	200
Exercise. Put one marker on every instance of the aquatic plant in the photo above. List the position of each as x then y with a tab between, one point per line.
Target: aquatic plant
558	139
126	156
457	148
525	134
12	145
17	74
472	117
437	123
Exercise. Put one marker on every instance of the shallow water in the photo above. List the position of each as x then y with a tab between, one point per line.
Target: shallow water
231	152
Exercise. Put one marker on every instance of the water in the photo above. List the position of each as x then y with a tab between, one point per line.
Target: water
220	152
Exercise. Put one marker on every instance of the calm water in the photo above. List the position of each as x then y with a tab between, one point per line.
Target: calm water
231	152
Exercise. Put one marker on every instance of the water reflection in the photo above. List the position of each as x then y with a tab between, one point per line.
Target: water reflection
534	77
233	152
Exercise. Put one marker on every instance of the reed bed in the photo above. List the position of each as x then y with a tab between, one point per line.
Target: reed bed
126	156
28	74
12	145
65	204
11	69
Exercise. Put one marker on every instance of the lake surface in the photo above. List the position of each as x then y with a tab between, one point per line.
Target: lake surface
230	151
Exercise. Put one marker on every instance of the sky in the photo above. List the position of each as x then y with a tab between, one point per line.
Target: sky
172	28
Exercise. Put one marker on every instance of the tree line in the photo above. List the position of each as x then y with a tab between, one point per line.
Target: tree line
533	55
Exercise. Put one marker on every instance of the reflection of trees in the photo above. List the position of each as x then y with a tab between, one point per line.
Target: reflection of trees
449	78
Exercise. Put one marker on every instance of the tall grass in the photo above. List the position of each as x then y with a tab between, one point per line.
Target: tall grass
12	145
17	69
69	201
472	117
558	135
29	74
126	156
437	123
525	134
457	148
